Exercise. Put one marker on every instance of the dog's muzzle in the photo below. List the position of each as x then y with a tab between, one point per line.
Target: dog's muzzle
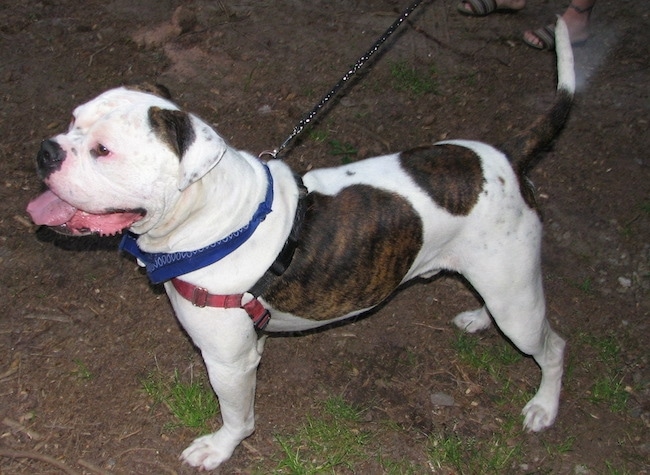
49	158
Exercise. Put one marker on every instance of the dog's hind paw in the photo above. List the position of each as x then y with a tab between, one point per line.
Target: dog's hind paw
473	320
208	452
538	416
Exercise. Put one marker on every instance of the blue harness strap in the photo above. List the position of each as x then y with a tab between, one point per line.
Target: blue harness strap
163	266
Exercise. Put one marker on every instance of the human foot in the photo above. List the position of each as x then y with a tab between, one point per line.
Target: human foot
485	7
576	18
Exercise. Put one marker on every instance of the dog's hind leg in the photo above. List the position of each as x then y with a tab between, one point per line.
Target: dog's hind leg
515	299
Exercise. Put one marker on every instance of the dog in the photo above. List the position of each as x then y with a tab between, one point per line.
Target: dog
245	247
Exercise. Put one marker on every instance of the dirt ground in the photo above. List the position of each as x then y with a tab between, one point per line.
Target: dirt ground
81	326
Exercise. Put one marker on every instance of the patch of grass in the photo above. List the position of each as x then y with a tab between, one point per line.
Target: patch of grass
407	78
410	358
608	387
493	454
342	149
490	359
318	135
249	79
192	403
471	455
610	390
645	207
608	348
586	286
562	447
612	469
398	467
493	361
82	370
327	443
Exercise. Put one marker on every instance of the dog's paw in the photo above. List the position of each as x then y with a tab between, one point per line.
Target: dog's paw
538	415
473	320
208	452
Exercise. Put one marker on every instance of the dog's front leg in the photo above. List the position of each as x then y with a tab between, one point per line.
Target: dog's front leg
229	347
235	388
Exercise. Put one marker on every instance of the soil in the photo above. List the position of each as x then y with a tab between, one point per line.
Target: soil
81	326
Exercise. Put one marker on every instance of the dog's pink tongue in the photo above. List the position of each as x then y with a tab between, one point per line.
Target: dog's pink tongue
50	210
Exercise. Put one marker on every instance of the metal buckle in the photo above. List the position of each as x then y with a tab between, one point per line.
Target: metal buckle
200	297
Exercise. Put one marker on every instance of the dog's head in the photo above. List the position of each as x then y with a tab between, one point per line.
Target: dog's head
125	159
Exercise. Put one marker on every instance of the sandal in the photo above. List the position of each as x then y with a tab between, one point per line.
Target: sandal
545	36
477	7
482	7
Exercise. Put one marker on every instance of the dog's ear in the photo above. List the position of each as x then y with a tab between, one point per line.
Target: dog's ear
198	147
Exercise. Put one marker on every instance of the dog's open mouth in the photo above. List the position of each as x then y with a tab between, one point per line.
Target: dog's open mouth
50	210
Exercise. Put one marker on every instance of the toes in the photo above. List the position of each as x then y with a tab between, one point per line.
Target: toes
204	454
532	39
537	417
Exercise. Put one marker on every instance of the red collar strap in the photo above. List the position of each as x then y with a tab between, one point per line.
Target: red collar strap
200	297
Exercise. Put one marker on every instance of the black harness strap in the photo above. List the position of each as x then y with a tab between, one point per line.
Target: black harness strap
284	258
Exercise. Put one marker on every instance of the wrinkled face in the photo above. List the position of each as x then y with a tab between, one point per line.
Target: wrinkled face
126	156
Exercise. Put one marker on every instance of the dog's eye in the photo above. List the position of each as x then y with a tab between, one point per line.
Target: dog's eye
101	151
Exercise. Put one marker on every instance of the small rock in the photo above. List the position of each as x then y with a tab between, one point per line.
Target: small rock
625	282
442	399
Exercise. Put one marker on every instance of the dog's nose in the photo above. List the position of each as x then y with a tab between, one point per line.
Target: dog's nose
49	158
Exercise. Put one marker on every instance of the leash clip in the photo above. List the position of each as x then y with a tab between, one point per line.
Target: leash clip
272	153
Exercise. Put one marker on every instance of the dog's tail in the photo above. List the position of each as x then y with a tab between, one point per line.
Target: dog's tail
524	148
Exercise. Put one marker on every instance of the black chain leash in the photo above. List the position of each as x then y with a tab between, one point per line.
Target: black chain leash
308	118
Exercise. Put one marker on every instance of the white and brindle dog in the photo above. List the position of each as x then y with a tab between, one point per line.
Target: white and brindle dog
210	221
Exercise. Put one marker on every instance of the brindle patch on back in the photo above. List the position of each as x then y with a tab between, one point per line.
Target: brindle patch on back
450	174
355	249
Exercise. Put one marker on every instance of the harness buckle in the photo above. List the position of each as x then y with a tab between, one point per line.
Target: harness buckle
200	297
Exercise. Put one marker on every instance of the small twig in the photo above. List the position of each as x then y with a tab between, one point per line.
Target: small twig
28	454
438	329
93	468
13	368
250	448
92	56
631	221
51	318
134	449
126	436
24	222
21	428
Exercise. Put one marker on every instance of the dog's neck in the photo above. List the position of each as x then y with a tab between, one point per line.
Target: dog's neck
221	202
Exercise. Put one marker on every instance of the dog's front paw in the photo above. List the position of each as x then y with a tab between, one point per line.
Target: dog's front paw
473	320
209	451
539	414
